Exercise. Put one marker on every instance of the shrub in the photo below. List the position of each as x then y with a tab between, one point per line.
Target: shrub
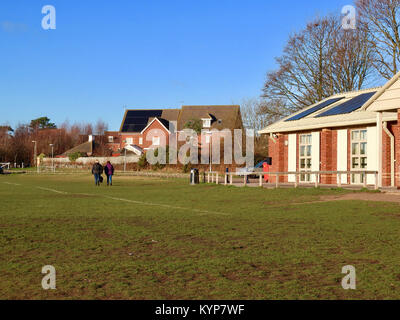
74	156
142	163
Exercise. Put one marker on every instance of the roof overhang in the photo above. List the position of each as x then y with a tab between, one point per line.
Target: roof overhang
332	123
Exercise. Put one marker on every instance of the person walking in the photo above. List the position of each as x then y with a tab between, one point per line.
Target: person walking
97	170
109	171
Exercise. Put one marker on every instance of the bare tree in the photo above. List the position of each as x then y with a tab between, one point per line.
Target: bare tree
381	19
100	128
321	60
251	116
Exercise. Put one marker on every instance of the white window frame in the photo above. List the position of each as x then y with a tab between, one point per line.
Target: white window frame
129	140
140	141
206	123
156	141
358	154
305	157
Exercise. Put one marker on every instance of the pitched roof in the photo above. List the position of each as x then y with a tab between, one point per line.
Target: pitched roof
86	147
164	122
223	117
136	120
360	116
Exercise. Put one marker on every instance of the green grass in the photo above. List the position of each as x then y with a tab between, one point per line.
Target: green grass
201	242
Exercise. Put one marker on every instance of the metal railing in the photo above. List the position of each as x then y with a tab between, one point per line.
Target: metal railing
4	165
214	177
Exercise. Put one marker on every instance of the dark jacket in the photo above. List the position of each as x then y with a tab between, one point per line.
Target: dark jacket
109	172
97	168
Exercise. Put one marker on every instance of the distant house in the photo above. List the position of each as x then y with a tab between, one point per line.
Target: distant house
138	123
85	148
145	129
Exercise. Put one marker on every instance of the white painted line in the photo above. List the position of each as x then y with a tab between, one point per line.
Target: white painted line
202	212
52	190
167	206
12	184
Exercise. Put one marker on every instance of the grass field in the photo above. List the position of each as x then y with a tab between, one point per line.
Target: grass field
163	239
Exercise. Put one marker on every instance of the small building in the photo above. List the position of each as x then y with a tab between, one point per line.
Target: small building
352	131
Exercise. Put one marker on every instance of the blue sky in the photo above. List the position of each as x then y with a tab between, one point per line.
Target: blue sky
105	55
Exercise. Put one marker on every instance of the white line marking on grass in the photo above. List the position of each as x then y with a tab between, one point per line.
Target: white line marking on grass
202	212
167	206
52	190
12	184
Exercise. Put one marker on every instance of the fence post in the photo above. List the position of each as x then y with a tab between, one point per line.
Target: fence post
339	180
217	177
244	179
261	177
296	181
208	177
277	181
226	178
316	180
376	181
231	180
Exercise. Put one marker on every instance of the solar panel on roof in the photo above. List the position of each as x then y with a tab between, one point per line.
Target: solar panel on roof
137	120
348	106
314	109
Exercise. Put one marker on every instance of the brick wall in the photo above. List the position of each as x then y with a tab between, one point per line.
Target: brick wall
279	153
328	155
156	129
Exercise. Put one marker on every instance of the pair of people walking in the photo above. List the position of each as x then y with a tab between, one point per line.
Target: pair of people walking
97	171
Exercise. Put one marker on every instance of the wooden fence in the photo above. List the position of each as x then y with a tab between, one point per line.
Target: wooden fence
214	177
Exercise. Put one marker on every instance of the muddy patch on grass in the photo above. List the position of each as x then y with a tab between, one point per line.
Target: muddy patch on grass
362	196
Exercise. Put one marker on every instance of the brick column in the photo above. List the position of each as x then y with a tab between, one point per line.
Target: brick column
328	155
279	153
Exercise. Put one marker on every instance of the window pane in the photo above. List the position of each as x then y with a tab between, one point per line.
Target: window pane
363	148
354	149
364	163
363	135
355	135
308	151
355	163
308	163
302	151
303	163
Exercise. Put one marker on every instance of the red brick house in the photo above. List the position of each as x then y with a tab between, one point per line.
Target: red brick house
145	129
353	131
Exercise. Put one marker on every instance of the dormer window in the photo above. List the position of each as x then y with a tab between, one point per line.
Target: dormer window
206	123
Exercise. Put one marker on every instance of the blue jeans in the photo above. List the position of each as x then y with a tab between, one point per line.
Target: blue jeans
97	179
109	179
